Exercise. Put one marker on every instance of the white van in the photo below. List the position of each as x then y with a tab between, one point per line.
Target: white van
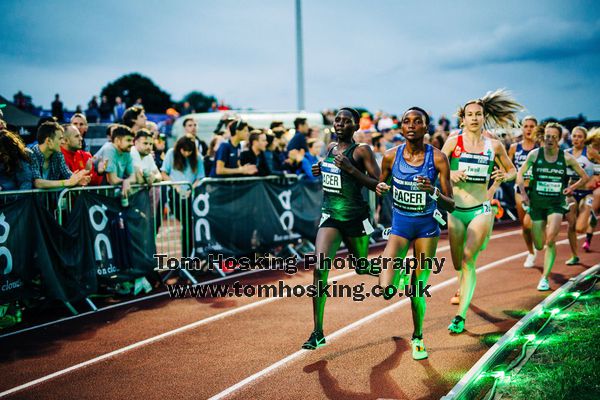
207	122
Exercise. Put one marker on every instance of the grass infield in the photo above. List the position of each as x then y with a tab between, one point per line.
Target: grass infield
566	365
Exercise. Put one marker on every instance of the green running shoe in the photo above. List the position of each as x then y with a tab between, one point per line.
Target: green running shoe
367	271
457	325
418	349
315	341
572	261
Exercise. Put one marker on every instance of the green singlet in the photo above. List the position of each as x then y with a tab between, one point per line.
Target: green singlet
342	193
546	186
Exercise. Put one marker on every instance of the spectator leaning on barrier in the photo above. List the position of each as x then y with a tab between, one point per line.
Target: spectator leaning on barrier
311	158
190	129
76	158
48	163
81	123
182	163
135	118
143	162
119	168
15	168
255	155
227	160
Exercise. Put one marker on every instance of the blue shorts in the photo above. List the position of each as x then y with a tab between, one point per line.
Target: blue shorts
421	226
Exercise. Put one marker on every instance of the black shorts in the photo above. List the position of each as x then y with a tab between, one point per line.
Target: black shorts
353	228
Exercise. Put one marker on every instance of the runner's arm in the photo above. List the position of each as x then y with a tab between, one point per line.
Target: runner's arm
583	177
445	199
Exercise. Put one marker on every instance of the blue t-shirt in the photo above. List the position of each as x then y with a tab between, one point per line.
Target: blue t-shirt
187	175
298	142
229	154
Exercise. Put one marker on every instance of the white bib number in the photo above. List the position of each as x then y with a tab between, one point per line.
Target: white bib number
548	187
473	170
332	181
409	198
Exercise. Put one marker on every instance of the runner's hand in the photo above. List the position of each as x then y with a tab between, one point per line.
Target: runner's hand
343	163
382	188
316	169
423	183
498	175
568	191
524	199
458	176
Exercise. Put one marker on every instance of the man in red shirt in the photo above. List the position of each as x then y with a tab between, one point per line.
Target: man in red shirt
75	157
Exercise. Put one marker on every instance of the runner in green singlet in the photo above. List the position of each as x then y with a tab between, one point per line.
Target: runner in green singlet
547	194
347	167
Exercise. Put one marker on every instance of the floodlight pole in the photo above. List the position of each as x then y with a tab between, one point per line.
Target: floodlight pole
299	57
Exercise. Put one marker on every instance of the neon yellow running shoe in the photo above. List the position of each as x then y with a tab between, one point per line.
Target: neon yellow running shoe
418	349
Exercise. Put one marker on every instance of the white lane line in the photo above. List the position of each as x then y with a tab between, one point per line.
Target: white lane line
161	294
357	324
183	329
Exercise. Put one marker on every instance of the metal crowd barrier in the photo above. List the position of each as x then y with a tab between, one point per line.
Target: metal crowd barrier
171	213
171	204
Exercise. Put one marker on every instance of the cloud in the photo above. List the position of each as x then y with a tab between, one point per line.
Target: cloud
539	40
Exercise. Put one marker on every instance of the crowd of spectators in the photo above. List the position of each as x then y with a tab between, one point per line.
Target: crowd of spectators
136	152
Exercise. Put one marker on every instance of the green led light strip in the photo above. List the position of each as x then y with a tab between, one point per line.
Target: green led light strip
481	368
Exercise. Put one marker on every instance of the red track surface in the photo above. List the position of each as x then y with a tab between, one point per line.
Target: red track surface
372	360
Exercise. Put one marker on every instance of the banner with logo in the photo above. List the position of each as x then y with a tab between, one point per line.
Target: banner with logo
121	239
237	218
33	245
298	206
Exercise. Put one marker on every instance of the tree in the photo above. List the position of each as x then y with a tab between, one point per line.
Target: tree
198	101
133	86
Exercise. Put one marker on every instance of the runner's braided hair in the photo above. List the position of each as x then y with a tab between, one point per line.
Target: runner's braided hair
499	109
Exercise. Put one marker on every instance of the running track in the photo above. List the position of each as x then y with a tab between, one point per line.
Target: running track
249	347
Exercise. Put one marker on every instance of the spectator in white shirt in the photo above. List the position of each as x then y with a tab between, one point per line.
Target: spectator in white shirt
143	161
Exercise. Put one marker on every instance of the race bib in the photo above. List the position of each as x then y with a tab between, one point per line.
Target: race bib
386	233
549	188
409	200
323	218
487	207
475	172
332	178
331	181
368	227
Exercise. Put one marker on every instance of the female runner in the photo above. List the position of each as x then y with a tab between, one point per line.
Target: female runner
581	202
472	156
414	168
518	154
347	167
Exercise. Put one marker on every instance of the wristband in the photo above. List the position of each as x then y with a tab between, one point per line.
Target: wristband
435	194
